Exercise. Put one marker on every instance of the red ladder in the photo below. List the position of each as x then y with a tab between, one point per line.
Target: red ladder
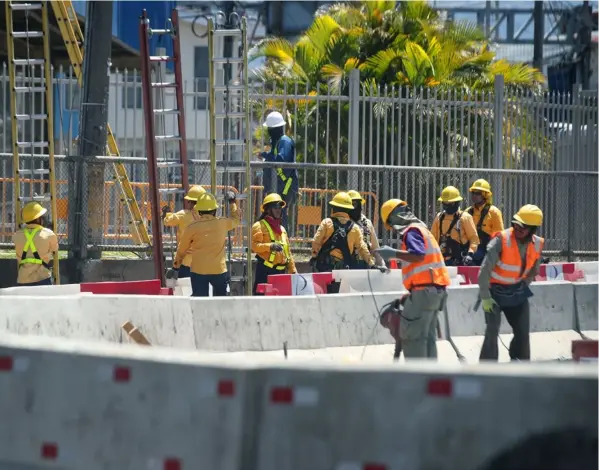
157	146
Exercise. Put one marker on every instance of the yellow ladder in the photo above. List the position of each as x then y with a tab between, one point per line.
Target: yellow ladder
70	30
36	91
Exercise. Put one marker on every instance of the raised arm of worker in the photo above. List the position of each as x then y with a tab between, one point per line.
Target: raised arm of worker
491	259
173	219
436	229
324	231
184	245
285	151
234	218
357	243
470	232
374	245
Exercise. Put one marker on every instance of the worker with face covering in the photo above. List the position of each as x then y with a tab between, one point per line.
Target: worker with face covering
282	150
424	275
511	264
35	246
488	219
182	220
368	233
270	242
454	230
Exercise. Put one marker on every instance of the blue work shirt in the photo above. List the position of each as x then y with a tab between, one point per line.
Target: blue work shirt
414	242
282	151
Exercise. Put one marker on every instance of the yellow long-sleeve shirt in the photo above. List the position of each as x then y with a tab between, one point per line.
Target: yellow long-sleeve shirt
464	231
182	219
46	244
261	246
355	239
493	221
206	239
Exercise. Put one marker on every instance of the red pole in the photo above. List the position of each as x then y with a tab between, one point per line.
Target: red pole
154	184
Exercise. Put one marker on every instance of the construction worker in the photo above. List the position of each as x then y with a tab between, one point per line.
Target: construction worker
454	230
368	232
35	246
270	242
206	239
487	218
338	240
511	264
182	220
424	276
282	150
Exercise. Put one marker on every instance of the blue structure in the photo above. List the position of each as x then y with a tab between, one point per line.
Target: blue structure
125	27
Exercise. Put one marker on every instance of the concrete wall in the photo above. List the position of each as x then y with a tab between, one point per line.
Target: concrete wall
256	324
75	405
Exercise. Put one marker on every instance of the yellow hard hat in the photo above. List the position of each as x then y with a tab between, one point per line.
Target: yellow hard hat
32	211
356	196
194	193
342	200
481	185
206	203
529	215
389	207
450	194
270	198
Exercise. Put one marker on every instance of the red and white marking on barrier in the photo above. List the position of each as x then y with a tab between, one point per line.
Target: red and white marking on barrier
458	388
14	364
361	466
169	463
299	396
114	373
210	388
49	451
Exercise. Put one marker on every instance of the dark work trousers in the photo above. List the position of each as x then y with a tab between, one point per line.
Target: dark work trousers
519	319
261	274
184	271
45	282
288	213
200	284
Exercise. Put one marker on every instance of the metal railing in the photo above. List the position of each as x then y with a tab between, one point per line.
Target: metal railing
568	199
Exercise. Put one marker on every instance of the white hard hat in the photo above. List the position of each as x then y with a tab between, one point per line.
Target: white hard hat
274	119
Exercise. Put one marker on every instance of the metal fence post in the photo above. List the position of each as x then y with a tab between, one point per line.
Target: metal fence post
354	117
577	110
497	161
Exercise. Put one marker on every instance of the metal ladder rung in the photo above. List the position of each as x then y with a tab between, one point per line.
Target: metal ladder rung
238	278
35	171
166	111
33	144
29	89
171	190
222	143
164	84
227	32
228	60
229	88
27	34
167	138
45	197
160	31
28	61
160	58
25	6
241	197
27	117
229	115
233	169
169	164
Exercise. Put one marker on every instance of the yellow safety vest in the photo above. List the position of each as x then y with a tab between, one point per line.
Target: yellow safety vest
30	245
273	254
287	180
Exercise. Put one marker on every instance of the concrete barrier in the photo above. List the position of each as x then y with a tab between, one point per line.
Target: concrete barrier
586	305
46	291
90	405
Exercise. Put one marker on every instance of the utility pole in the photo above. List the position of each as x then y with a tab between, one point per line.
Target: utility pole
89	213
584	45
539	35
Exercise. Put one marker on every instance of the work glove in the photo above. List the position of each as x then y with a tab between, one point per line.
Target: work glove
468	260
276	247
488	305
231	197
386	252
172	273
165	210
382	269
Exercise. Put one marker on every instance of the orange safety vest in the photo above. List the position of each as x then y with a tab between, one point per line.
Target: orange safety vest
431	270
509	269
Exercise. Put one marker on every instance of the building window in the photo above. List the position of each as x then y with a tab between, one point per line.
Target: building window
200	73
131	94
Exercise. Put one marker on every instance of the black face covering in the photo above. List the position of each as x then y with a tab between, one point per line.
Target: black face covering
275	133
451	207
357	212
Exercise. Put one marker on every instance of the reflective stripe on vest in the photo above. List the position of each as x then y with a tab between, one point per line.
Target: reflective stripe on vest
273	254
30	245
508	268
287	180
431	270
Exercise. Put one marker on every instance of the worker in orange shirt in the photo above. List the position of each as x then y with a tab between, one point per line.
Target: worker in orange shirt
182	220
511	264
424	275
35	246
206	239
487	217
270	242
454	230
